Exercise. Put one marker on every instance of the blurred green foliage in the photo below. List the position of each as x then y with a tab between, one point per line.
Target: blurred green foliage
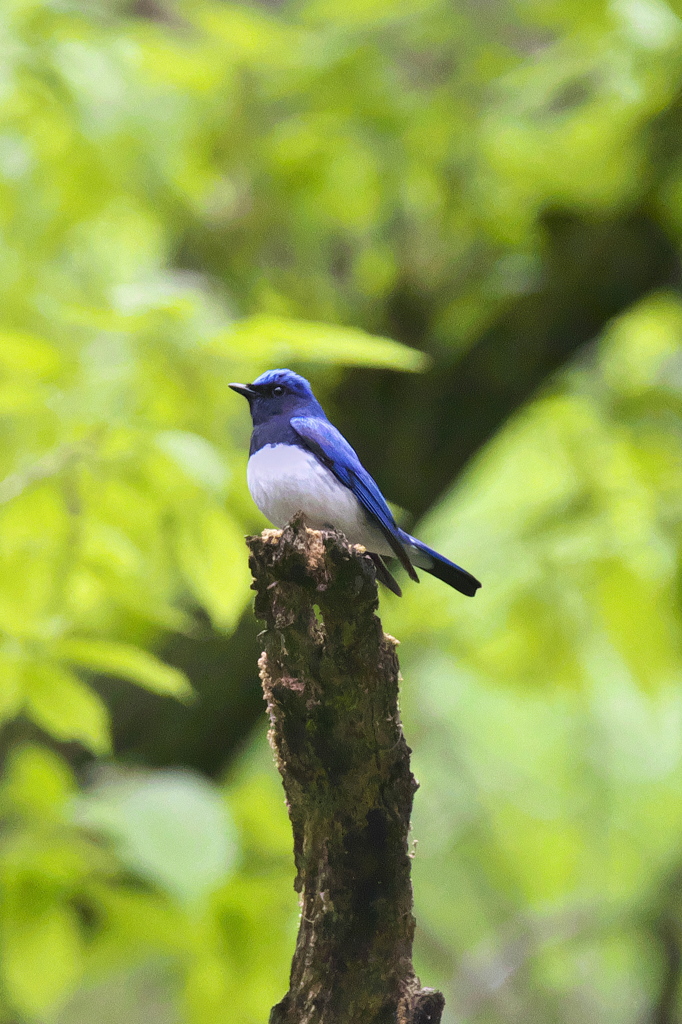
193	192
546	720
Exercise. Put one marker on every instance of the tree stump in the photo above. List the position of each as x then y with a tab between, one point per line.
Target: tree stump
330	677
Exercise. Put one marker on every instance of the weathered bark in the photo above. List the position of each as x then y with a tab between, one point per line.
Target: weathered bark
330	677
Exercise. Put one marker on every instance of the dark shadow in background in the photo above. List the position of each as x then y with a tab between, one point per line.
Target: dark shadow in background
417	432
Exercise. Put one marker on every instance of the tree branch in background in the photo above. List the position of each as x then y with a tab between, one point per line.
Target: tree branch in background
330	677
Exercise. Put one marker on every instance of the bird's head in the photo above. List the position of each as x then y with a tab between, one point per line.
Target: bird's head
276	392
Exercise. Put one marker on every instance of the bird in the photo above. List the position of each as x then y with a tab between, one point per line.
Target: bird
299	461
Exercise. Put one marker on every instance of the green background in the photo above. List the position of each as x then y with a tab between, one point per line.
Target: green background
463	223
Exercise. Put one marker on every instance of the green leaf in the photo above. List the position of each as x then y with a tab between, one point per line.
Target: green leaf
37	782
42	958
209	988
171	827
278	340
214	561
128	662
61	704
196	457
10	686
25	353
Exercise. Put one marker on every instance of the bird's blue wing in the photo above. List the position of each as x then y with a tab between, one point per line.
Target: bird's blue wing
333	451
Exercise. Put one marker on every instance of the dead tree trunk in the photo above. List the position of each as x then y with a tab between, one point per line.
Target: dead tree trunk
330	677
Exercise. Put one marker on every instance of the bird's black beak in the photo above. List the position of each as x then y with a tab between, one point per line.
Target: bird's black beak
243	389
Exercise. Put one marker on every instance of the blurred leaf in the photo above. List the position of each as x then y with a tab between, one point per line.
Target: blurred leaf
127	662
212	555
278	341
172	828
10	685
37	782
42	958
65	707
196	457
28	354
208	990
649	644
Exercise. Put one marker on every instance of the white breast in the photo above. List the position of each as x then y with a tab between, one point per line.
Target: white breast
284	479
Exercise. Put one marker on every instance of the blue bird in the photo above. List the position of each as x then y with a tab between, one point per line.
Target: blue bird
298	461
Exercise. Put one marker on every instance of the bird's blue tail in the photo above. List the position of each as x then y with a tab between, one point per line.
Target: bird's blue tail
440	566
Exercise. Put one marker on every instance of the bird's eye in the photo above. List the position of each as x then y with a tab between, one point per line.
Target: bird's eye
278	391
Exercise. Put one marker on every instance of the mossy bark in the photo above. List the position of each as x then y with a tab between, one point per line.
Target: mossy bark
330	677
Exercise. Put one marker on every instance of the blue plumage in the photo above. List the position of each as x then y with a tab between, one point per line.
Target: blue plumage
300	461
